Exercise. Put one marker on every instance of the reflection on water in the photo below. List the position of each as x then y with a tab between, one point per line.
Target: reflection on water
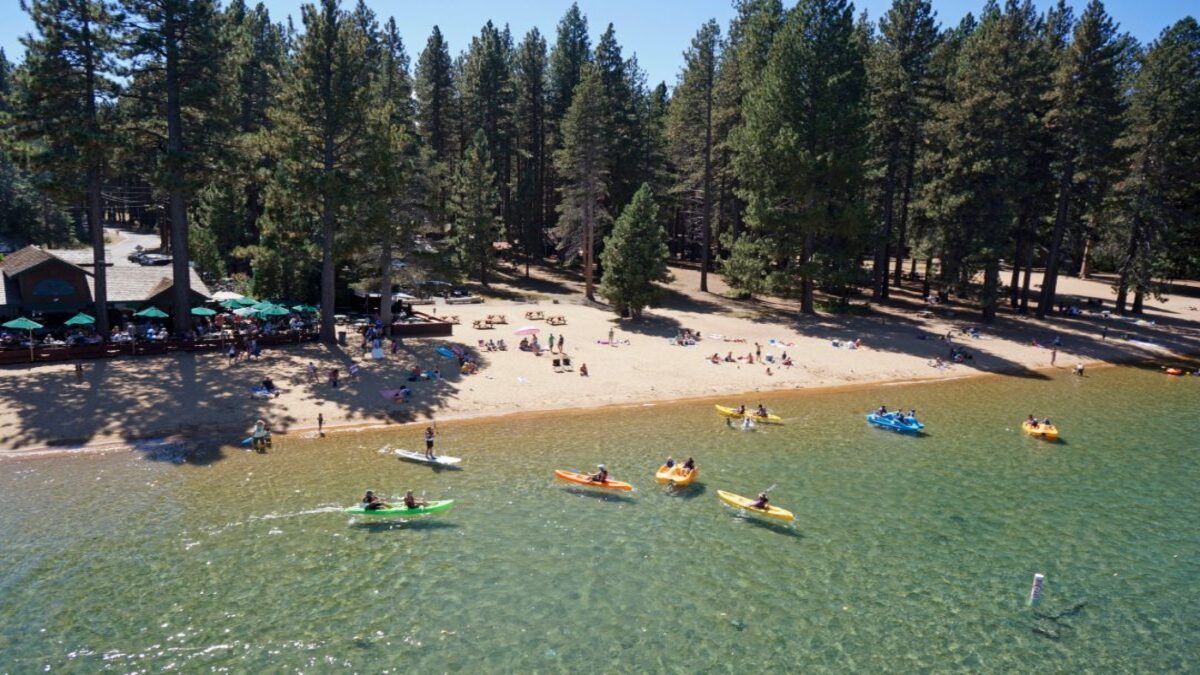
906	553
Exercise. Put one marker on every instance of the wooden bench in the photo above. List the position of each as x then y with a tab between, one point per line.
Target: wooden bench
534	316
481	324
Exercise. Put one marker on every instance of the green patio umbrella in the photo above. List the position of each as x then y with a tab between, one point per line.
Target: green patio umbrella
21	323
80	319
245	311
246	302
203	311
304	308
152	313
274	310
231	304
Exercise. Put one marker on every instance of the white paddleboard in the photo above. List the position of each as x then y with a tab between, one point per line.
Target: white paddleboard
444	460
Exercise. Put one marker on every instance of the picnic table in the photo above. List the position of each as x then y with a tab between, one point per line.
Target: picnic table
534	316
482	324
557	320
496	319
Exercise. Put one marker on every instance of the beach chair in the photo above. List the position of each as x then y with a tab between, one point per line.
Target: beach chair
557	365
566	364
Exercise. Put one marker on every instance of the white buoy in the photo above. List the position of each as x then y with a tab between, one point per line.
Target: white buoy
1035	592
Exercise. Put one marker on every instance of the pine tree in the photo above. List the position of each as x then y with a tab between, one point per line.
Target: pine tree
634	257
799	154
438	120
319	132
474	208
529	116
69	78
571	51
620	82
175	55
1086	120
898	75
581	162
1159	199
690	130
487	100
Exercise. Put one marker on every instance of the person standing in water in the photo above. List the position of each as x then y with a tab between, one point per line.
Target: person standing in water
429	433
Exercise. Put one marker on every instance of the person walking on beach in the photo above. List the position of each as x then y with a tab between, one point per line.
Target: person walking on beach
757	352
610	338
321	425
552	343
1053	355
562	340
333	378
354	371
312	372
429	433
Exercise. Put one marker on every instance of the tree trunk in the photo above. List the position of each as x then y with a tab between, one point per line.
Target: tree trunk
991	282
1138	296
706	224
905	199
328	271
95	204
880	270
1050	278
925	283
1014	284
806	285
1028	278
181	289
588	231
1084	271
385	280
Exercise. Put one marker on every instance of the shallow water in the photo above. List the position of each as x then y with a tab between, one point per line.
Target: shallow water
907	553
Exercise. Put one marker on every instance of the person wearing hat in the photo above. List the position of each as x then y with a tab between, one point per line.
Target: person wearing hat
600	476
372	502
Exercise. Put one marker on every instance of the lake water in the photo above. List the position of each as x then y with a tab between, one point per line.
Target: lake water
906	553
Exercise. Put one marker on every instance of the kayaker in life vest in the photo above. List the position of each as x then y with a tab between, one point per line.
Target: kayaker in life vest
412	502
761	502
600	476
762	410
372	502
670	463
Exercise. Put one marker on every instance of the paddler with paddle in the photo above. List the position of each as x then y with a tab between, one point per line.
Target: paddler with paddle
600	476
411	501
371	502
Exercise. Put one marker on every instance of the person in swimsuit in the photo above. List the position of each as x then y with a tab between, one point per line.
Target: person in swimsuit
372	502
600	476
1032	421
741	410
429	443
689	466
412	502
761	502
670	463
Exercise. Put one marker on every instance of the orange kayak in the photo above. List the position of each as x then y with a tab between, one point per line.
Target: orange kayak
675	474
585	479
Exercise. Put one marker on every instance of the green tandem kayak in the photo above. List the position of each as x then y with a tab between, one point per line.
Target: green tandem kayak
431	507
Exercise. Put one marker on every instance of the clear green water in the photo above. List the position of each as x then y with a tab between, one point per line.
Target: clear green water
907	554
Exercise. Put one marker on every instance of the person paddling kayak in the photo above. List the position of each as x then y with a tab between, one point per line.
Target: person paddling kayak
373	503
761	502
600	476
412	502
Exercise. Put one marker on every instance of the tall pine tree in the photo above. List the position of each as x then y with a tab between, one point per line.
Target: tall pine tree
581	162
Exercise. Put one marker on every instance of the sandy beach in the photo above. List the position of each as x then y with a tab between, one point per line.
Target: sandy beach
122	401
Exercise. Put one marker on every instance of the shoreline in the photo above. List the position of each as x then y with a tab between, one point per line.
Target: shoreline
187	440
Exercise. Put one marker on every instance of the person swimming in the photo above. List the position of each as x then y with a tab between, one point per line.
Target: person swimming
761	502
747	423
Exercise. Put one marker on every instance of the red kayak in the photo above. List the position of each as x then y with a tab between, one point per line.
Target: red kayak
585	479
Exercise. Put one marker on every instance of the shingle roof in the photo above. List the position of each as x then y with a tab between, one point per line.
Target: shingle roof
25	259
80	257
138	284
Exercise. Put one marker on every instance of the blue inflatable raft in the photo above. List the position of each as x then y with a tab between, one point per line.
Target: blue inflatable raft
891	421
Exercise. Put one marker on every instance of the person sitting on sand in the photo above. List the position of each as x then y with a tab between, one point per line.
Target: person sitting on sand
787	362
600	476
670	463
761	502
371	502
729	358
269	385
715	358
411	501
583	371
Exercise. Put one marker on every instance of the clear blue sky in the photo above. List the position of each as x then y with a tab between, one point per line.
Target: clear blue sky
656	30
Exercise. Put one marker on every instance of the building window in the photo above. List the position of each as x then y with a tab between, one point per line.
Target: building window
53	288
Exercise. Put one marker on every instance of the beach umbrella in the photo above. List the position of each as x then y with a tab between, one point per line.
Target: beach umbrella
527	330
304	308
203	311
152	313
245	311
245	302
231	304
21	323
223	296
80	319
274	310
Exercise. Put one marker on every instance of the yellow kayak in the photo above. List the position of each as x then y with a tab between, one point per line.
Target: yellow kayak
732	412
675	474
1047	432
741	502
